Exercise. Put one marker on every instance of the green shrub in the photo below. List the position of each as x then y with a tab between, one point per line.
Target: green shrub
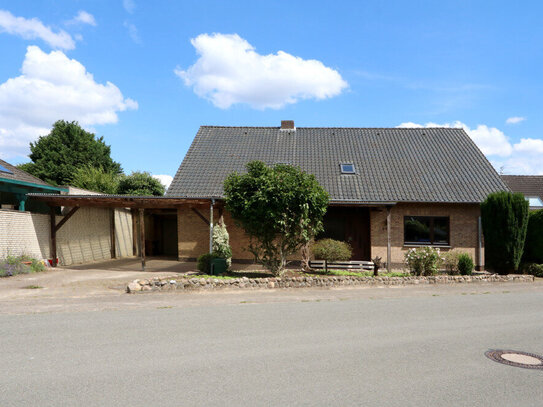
221	243
450	262
332	250
204	262
423	261
504	217
465	264
533	269
533	248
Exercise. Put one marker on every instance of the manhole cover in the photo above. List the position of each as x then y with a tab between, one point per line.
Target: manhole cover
516	358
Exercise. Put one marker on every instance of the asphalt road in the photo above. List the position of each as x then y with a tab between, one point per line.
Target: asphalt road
424	350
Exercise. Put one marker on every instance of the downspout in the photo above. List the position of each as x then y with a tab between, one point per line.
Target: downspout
211	225
480	244
389	245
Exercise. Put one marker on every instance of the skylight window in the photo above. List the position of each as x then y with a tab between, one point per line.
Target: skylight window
4	169
534	201
347	168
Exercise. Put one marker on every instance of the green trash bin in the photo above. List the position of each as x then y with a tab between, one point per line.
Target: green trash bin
218	266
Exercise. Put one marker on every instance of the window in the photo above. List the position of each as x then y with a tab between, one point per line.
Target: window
4	169
347	168
426	230
534	201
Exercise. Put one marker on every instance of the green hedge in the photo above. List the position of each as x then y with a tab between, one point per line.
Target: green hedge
332	250
533	249
505	219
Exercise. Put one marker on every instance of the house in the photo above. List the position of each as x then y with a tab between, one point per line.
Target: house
390	189
531	186
15	184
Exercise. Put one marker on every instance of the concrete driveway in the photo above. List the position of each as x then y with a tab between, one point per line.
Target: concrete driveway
96	279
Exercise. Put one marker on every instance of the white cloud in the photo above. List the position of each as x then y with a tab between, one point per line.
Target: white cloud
33	28
529	146
129	6
82	17
523	157
230	71
166	180
490	140
133	32
515	120
53	87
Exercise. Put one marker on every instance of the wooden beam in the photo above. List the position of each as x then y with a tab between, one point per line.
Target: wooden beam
66	217
53	248
134	232
389	248
179	231
197	212
142	237
112	232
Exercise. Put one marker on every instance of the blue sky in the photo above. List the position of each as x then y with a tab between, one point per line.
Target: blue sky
129	71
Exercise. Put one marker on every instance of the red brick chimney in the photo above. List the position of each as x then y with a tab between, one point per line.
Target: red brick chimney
287	125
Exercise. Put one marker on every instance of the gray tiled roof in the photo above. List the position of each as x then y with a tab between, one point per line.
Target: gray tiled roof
528	185
392	164
19	175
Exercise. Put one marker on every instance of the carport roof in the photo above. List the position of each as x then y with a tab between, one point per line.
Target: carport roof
119	201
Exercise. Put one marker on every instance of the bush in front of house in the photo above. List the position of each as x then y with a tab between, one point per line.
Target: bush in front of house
221	243
504	217
204	262
423	261
465	264
534	269
22	264
280	207
450	262
533	248
332	250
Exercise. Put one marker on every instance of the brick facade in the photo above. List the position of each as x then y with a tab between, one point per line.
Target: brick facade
463	226
193	232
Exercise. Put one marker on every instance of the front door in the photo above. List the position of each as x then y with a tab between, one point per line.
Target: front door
350	225
357	233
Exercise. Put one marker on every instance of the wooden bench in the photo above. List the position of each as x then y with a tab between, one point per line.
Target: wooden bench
354	265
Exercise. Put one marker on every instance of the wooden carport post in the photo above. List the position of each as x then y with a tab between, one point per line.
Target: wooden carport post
112	233
55	228
134	232
53	223
142	237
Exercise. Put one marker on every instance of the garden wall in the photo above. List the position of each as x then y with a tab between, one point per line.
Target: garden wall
195	283
84	237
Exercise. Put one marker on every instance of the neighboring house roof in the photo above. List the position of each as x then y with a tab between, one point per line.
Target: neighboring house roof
531	186
391	164
10	174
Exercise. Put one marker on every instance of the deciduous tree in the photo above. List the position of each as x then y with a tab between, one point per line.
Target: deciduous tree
281	209
57	156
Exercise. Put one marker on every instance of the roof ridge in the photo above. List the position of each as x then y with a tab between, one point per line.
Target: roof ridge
346	128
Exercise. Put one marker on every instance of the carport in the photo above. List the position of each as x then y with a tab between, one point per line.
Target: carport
160	208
